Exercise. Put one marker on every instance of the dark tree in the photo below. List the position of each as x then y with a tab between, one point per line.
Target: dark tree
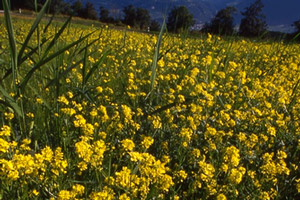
56	6
16	4
222	23
77	8
89	12
142	18
25	4
254	21
179	19
67	10
154	26
129	15
136	17
104	16
296	24
59	6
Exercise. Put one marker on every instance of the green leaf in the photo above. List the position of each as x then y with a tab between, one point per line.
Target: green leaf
156	54
33	28
11	101
65	72
84	63
11	36
57	35
97	65
46	60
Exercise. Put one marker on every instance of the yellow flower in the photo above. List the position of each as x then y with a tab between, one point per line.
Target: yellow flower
128	144
147	142
39	100
79	121
106	194
236	175
78	189
47	154
127	113
124	197
9	116
35	192
99	89
64	195
63	99
68	111
30	115
221	197
84	150
4	146
232	156
182	175
298	185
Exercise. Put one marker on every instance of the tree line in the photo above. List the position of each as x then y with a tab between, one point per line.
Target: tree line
179	18
134	17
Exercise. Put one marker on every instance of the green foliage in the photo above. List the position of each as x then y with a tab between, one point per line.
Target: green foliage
296	24
222	23
136	17
142	18
89	11
129	15
104	16
179	19
154	25
56	6
254	21
77	8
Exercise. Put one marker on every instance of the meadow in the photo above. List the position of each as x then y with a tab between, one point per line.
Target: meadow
97	113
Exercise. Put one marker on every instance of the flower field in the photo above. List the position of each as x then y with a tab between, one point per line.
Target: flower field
97	113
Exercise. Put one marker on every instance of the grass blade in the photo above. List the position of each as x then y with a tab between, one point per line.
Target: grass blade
11	101
57	35
32	29
96	66
156	54
45	60
84	63
65	72
25	57
11	37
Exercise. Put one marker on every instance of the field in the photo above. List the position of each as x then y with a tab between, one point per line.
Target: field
97	113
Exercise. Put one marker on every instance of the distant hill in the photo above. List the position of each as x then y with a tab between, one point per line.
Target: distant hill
280	14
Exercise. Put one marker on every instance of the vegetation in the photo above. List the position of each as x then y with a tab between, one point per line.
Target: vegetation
296	24
105	16
154	25
222	23
179	19
136	17
254	22
98	113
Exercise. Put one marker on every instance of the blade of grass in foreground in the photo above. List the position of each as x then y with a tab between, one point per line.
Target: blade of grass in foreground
65	72
11	101
47	59
33	28
57	35
156	54
11	38
96	66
